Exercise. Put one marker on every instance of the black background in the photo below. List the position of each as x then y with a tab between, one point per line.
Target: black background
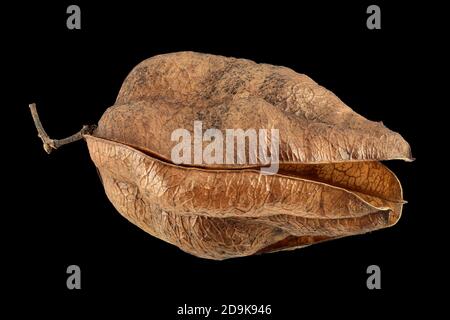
61	215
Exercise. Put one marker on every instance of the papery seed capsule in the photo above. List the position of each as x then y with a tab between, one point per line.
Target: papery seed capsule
328	182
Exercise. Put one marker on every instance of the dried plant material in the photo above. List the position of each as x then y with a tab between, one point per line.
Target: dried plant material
330	182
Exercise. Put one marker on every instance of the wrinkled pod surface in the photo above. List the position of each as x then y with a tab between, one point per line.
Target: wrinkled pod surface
330	182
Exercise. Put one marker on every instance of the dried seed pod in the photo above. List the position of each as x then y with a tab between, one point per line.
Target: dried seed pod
329	183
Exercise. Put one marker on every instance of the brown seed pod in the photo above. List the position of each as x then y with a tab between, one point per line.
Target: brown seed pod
329	183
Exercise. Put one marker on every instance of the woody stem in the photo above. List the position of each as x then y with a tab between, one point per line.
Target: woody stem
50	144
